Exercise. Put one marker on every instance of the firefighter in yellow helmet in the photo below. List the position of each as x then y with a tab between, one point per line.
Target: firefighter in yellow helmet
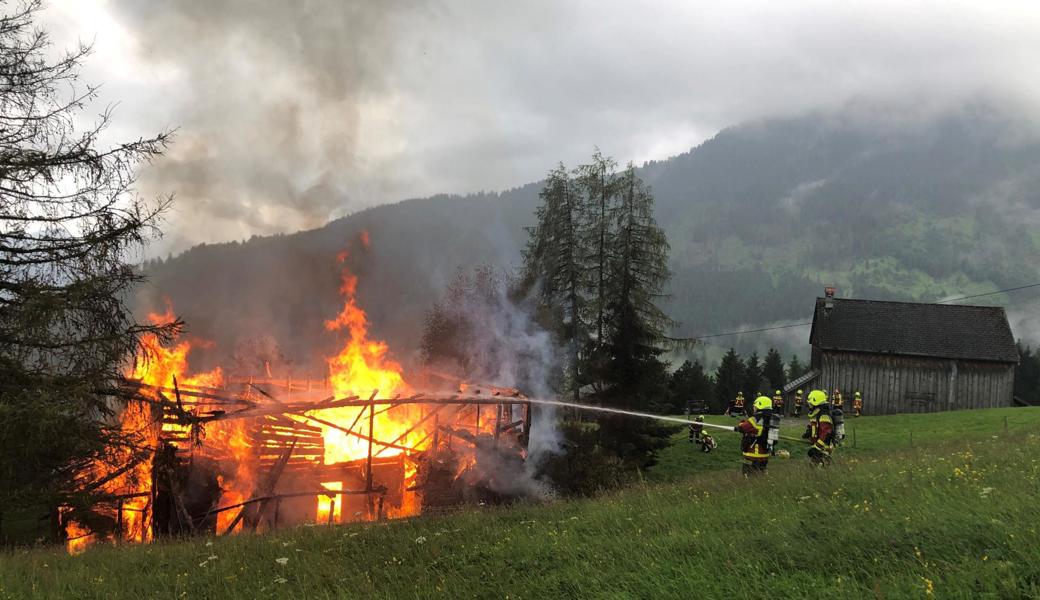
798	401
755	443
737	406
857	404
778	402
820	430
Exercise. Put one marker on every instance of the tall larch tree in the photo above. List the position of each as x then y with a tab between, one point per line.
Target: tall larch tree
555	261
597	182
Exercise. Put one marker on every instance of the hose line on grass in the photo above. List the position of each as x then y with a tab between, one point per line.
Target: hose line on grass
632	413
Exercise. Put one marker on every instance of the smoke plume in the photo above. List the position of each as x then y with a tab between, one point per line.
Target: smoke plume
268	110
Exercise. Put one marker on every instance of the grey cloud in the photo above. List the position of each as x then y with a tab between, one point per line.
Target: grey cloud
294	112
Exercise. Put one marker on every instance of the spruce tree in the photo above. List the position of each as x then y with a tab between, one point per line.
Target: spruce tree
633	324
1027	375
753	377
689	383
795	368
729	379
773	371
70	225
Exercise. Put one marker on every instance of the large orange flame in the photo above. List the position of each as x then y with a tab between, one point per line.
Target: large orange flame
158	366
361	368
392	436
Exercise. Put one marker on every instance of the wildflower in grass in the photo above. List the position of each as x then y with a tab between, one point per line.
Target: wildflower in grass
282	561
420	540
929	587
985	491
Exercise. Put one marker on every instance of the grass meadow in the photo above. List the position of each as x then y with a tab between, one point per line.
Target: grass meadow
954	515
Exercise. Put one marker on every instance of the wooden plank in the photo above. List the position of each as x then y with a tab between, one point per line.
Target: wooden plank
881	398
869	390
898	390
876	400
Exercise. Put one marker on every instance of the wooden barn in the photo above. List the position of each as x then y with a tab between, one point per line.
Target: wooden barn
912	357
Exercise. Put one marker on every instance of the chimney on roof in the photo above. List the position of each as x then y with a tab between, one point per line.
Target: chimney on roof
828	297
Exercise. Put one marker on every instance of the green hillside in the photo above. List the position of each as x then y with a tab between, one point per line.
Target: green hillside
759	218
953	516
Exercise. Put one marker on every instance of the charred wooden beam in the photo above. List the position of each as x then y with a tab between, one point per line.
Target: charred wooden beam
432	413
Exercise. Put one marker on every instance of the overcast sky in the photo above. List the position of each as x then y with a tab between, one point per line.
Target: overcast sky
293	113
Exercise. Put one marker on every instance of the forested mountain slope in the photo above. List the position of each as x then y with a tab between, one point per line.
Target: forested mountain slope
759	218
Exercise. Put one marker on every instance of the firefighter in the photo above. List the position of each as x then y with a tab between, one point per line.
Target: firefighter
707	442
820	430
798	403
755	443
857	404
778	402
738	405
696	427
836	399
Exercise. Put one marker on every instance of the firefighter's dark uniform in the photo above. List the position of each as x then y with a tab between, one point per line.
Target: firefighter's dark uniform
754	445
820	431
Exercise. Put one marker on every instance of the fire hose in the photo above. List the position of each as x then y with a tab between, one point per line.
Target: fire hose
632	413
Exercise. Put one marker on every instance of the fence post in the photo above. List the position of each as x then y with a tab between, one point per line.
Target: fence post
911	438
853	437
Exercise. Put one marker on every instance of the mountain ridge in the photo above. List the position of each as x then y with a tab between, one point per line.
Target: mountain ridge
760	217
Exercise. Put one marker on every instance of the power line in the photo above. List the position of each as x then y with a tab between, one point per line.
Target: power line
1014	289
715	335
760	330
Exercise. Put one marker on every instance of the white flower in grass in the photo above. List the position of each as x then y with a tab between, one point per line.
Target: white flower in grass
985	491
280	580
282	561
421	539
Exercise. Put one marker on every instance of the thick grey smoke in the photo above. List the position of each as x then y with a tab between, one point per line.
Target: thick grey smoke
268	99
488	336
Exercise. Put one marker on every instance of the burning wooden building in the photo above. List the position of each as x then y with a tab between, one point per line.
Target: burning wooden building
220	454
225	462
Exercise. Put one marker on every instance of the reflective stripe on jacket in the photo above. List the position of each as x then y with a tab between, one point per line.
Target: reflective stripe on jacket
749	445
820	429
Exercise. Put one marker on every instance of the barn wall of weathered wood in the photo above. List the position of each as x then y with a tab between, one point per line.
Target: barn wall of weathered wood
897	384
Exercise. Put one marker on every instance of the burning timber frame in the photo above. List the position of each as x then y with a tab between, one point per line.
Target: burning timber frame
287	439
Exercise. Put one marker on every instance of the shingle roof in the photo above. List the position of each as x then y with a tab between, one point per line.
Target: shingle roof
906	328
